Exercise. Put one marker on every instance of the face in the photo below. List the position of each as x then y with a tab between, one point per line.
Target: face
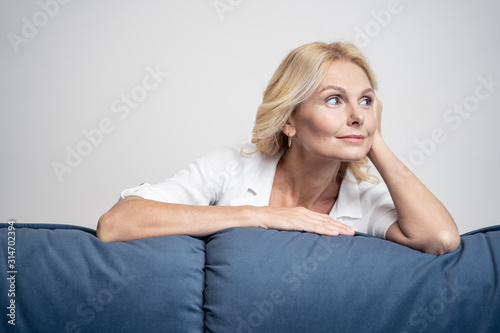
337	121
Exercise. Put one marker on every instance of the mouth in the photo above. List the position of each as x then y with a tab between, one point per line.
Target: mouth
353	138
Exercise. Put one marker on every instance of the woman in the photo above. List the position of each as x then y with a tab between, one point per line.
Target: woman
306	169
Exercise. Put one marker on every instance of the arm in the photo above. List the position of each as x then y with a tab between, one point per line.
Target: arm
135	218
423	222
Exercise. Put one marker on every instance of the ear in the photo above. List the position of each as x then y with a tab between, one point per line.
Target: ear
289	128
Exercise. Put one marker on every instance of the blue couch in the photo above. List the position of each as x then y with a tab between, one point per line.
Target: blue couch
61	278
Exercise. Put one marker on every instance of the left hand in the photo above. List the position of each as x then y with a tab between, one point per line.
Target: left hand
377	136
377	110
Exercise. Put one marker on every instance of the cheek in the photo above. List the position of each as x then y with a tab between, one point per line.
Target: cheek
329	126
320	126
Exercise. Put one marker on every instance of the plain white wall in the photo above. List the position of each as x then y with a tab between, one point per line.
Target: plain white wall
68	66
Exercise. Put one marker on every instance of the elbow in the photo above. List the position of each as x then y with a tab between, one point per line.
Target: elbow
450	243
446	242
105	227
115	225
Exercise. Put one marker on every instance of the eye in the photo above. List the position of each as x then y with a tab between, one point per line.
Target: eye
334	100
366	101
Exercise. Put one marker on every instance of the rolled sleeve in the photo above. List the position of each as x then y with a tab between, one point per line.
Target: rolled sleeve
148	191
383	222
382	212
202	182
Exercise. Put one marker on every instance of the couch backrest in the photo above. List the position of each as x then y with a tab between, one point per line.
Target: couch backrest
67	280
64	279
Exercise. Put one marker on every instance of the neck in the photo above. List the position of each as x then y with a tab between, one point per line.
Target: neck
307	182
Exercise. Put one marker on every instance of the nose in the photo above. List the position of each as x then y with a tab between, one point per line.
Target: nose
355	117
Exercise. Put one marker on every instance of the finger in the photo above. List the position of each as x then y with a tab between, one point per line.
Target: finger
332	230
303	219
377	109
346	231
334	223
334	227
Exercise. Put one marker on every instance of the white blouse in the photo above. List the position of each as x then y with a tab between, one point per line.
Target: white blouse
228	177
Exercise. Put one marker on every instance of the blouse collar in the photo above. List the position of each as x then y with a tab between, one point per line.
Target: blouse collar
348	203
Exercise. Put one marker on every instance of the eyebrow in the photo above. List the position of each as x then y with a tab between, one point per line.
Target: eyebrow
342	90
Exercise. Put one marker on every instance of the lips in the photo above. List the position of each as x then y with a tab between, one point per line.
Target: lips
353	138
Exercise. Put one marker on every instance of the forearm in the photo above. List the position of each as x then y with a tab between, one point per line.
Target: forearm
135	218
423	219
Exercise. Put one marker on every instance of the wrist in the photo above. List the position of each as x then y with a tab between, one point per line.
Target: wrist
252	216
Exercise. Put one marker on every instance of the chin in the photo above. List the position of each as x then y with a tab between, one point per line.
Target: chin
347	158
352	157
342	154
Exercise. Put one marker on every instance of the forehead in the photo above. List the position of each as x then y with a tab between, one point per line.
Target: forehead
346	75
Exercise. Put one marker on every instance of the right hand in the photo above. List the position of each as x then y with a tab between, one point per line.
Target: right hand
302	219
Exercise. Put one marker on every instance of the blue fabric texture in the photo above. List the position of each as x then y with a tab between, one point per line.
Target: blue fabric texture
247	280
69	281
278	281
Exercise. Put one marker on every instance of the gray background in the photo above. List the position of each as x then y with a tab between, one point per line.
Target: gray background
65	65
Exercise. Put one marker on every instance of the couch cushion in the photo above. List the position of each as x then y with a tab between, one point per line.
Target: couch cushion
67	280
278	281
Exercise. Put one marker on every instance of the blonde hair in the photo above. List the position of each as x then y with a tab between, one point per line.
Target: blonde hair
297	77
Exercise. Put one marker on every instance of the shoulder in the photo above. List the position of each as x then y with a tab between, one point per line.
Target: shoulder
373	190
370	192
362	199
233	159
244	150
371	204
374	195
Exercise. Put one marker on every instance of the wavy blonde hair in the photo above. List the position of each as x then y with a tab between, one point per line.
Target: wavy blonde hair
297	78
